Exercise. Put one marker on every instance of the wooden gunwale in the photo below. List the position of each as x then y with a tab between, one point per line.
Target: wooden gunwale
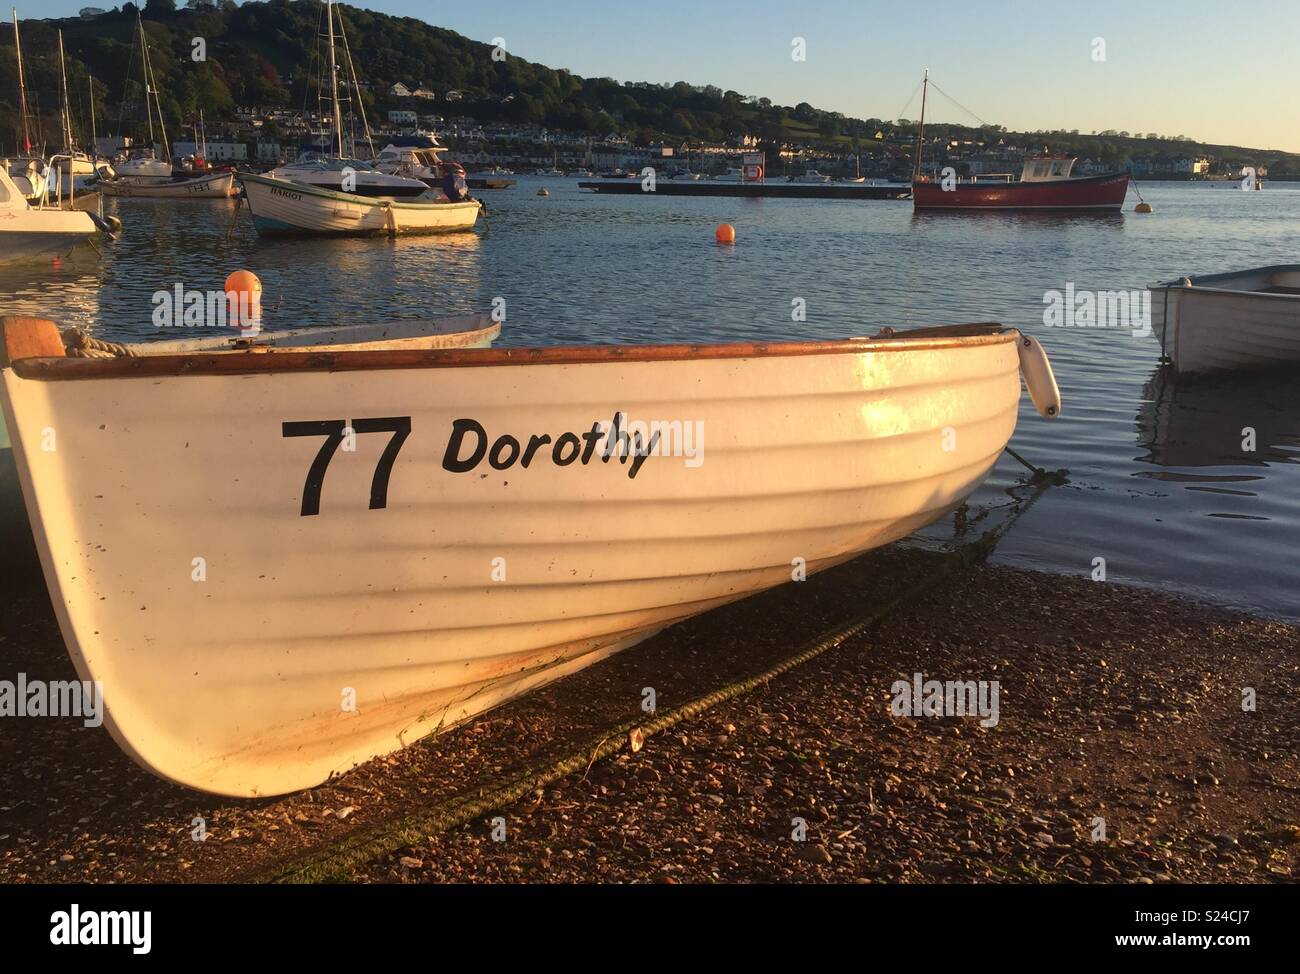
53	367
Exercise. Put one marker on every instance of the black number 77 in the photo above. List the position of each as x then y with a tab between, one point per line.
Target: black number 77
333	430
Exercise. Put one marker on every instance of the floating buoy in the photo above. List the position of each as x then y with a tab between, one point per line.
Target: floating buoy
1142	208
543	192
725	234
243	299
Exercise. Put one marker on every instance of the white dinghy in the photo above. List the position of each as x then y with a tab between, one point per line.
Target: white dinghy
476	330
283	563
283	206
1240	320
219	185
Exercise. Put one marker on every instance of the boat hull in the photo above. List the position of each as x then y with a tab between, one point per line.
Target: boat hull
216	186
327	629
281	206
1104	192
21	246
1222	324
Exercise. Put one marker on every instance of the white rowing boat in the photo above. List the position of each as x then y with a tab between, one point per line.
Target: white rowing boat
1240	320
477	330
284	563
282	206
215	186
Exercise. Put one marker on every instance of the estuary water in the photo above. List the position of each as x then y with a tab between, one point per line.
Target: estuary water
1161	485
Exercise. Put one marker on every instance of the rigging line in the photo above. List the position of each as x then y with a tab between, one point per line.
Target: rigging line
356	90
309	75
959	104
910	99
126	80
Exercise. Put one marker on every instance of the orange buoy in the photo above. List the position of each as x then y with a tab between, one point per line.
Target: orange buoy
1142	208
725	234
243	300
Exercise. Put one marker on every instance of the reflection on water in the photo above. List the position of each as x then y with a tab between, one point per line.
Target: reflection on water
1023	219
1219	421
1185	507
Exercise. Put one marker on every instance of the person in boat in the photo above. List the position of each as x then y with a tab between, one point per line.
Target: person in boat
453	182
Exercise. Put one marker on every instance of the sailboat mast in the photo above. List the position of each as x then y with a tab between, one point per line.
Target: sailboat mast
920	135
22	86
144	67
334	78
90	85
150	86
63	83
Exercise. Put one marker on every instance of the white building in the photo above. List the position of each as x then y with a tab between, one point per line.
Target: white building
400	90
402	117
217	151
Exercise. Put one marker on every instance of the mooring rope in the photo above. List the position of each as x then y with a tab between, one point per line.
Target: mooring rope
335	862
81	345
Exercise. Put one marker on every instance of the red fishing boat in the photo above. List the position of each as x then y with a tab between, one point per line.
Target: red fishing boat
1045	183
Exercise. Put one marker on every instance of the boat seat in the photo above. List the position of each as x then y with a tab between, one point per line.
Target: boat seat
26	337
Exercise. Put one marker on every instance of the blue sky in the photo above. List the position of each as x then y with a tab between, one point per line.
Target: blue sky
1215	71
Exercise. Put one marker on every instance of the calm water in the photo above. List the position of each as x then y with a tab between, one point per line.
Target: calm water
1160	486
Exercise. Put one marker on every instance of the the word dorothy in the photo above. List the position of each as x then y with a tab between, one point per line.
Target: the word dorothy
1098	309
637	439
54	698
955	698
187	308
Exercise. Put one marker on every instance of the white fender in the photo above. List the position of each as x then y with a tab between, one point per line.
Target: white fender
1040	380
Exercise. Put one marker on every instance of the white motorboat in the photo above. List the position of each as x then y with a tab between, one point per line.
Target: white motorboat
351	176
29	233
1241	320
30	176
281	206
495	519
811	176
413	162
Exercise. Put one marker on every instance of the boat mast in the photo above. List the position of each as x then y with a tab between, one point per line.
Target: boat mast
150	86
920	135
66	118
90	85
22	87
144	68
334	79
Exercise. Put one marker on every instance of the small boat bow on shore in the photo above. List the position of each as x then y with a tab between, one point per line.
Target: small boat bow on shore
281	563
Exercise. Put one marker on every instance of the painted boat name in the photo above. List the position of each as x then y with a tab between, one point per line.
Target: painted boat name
566	448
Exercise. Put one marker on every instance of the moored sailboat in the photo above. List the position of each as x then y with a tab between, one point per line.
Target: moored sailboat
141	173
